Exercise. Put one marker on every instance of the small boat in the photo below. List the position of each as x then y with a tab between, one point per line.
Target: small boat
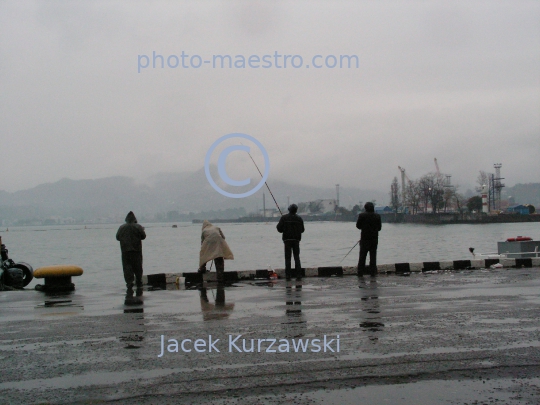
490	255
506	255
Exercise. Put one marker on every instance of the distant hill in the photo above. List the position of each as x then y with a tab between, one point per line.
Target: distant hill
111	198
528	193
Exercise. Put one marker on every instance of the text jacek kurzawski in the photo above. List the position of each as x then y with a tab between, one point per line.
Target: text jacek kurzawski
237	344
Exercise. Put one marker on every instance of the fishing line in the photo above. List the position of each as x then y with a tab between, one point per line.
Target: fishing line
279	209
349	252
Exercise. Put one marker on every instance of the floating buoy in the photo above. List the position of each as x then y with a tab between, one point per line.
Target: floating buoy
58	277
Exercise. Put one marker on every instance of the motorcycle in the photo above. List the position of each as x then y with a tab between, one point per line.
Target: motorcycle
13	275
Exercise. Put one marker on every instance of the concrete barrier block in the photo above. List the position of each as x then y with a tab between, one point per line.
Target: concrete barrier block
170	278
262	274
312	272
230	276
246	274
280	272
416	266
446	265
508	262
431	266
478	263
490	262
330	271
523	262
401	268
461	264
535	261
386	268
193	277
350	270
156	279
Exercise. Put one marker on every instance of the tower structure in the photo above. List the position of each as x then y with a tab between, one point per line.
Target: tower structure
497	186
485	207
448	182
402	185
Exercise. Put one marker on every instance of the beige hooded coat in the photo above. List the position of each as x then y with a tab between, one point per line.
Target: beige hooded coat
213	244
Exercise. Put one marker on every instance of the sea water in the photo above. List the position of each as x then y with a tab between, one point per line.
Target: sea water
255	246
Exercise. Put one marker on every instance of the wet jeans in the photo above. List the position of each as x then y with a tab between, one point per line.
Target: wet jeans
368	246
294	246
133	270
220	269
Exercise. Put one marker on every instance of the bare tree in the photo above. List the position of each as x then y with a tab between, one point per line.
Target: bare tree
431	187
448	197
460	201
424	187
482	180
413	196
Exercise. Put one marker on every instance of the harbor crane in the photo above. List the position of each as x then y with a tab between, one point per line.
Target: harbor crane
437	167
447	183
403	177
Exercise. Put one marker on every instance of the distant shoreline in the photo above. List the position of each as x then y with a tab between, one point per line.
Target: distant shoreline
433	219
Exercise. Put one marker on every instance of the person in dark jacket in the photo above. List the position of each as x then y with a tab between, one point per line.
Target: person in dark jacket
130	236
369	223
292	227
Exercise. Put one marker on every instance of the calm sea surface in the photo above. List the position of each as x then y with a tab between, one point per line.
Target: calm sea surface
255	246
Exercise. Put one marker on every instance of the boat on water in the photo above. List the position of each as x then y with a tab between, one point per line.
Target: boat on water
513	248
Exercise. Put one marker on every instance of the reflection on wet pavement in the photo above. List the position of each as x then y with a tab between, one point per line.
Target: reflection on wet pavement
392	329
219	309
369	303
295	325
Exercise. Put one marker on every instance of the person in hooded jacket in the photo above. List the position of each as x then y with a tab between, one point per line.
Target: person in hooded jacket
214	247
369	222
130	236
292	226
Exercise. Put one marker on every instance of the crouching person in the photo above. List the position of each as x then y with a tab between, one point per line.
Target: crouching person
214	247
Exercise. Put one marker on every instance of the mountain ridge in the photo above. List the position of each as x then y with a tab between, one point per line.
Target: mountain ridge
111	197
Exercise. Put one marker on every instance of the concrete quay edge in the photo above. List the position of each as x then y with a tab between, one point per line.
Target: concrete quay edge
397	268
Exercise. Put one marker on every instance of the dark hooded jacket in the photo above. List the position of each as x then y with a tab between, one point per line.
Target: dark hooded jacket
131	234
291	226
369	222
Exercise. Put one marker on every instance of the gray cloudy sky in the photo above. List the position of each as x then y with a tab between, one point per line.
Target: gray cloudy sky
458	81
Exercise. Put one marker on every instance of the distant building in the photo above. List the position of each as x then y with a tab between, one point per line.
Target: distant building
383	210
269	213
328	205
517	209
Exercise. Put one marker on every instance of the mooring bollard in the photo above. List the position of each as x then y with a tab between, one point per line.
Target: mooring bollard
57	278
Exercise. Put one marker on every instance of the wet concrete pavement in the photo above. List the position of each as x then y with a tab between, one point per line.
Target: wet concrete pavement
460	337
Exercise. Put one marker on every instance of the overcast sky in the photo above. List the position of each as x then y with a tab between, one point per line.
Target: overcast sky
459	81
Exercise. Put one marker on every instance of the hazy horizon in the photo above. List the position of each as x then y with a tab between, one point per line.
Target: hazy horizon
457	81
150	179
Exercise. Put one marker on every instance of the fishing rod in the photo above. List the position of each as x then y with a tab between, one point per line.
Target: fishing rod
349	252
279	209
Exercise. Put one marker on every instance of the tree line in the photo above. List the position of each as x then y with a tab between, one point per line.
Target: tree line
431	193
